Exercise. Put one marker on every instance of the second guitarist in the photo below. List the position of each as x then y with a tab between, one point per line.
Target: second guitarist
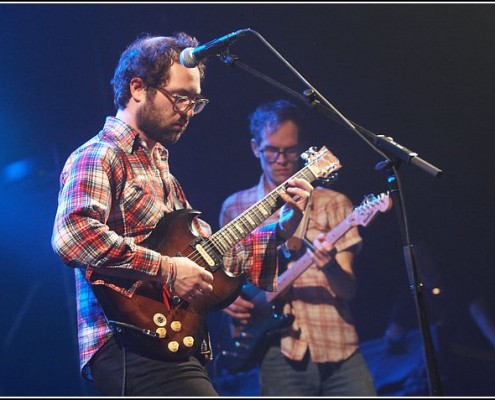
319	354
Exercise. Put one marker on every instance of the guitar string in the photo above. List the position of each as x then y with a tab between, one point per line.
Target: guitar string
366	204
248	217
305	173
218	244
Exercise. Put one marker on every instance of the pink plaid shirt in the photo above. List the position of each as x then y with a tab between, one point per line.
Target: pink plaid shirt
111	198
323	323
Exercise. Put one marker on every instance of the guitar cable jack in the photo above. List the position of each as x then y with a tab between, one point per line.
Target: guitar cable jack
119	326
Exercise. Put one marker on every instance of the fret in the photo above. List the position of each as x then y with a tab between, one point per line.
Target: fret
254	216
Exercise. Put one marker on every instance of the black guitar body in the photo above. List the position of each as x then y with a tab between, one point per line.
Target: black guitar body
247	349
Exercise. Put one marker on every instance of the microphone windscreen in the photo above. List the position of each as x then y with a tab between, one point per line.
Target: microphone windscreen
187	58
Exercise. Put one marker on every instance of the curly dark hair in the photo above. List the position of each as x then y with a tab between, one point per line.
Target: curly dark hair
271	115
149	58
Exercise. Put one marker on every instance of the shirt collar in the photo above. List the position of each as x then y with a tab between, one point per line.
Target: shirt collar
122	134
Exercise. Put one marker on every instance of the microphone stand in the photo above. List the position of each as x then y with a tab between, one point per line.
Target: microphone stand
394	154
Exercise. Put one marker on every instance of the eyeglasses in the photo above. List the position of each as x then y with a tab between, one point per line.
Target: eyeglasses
184	103
271	153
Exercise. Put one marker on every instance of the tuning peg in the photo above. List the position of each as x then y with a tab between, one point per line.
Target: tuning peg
330	179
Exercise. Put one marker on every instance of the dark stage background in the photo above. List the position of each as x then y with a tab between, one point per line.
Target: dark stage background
422	74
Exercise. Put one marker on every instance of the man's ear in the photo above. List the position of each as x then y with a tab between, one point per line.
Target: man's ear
137	89
255	148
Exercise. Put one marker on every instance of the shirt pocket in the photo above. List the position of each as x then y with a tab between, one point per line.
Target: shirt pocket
143	206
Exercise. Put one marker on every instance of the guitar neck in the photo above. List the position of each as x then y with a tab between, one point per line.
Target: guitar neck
245	223
305	261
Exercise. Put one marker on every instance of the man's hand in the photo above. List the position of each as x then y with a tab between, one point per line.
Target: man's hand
240	309
323	251
295	199
191	281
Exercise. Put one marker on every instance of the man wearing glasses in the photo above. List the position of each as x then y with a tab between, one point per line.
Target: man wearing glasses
317	354
116	189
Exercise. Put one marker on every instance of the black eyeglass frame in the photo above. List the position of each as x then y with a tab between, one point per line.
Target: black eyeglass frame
290	153
198	104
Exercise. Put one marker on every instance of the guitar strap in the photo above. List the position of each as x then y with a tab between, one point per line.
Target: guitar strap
170	184
295	246
296	241
173	187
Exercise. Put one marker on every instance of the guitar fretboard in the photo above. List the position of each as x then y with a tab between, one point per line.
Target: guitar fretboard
246	222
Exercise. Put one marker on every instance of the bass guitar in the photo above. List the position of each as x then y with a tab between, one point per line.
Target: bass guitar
174	330
245	350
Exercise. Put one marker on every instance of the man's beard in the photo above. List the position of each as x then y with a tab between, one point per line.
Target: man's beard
148	121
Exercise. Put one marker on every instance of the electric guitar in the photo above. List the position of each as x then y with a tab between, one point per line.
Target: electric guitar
245	350
154	324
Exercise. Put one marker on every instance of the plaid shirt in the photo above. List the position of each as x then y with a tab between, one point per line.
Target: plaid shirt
112	196
323	322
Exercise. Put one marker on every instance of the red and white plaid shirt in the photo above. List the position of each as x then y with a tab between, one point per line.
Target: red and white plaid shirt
323	323
112	196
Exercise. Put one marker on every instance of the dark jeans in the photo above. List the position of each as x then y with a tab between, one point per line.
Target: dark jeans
147	377
283	377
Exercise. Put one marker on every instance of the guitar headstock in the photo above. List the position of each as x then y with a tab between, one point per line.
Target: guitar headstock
322	162
370	206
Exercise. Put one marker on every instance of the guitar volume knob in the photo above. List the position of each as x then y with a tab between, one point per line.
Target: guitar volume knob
162	332
173	346
175	326
188	341
159	319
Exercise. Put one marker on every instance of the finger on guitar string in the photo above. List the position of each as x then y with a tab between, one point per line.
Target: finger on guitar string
319	259
240	309
206	284
322	251
207	277
240	315
299	190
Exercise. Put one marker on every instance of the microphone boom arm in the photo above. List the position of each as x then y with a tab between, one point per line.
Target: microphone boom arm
391	149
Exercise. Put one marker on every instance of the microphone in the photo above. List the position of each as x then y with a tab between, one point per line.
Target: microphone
191	56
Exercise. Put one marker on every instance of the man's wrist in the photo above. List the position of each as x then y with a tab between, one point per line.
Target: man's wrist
172	274
168	271
332	266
